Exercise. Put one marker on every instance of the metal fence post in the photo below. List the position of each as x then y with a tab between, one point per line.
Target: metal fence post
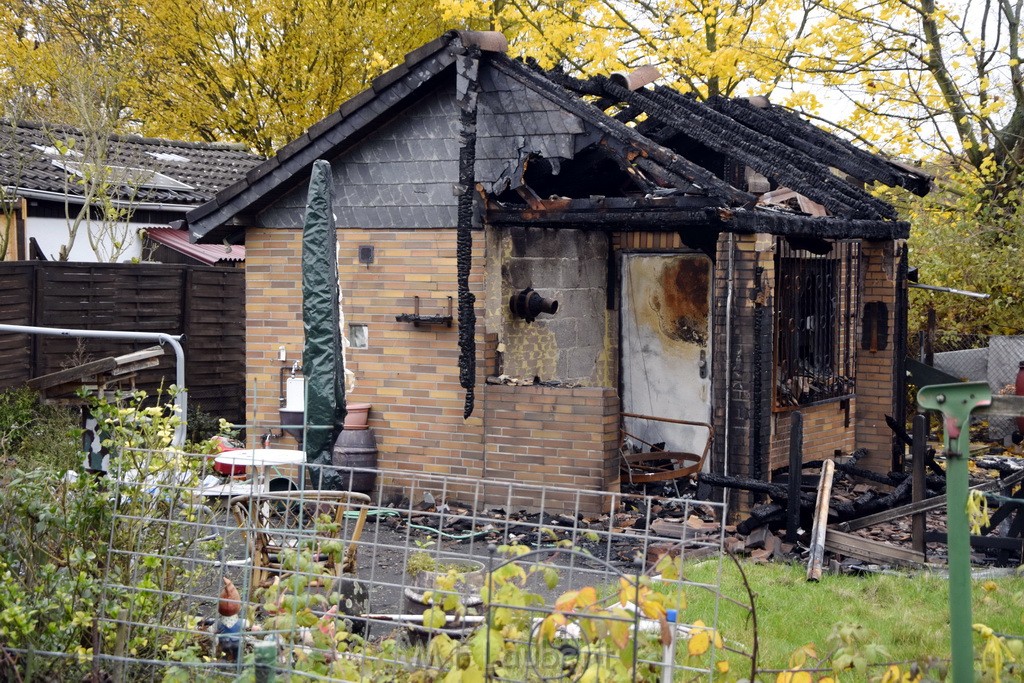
265	657
956	402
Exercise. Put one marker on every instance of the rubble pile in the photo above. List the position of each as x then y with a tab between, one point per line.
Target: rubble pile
870	521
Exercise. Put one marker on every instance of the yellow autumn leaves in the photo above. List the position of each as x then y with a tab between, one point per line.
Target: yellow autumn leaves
261	71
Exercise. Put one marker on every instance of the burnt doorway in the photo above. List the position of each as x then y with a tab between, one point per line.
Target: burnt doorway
666	346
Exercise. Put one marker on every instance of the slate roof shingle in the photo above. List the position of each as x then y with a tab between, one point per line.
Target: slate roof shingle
31	159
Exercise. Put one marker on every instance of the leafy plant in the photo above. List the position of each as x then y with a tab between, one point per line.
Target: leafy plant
205	430
422	562
83	556
33	433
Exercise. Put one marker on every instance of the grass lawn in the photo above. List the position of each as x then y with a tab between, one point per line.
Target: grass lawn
907	614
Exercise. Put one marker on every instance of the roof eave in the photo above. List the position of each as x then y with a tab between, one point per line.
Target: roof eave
46	195
674	218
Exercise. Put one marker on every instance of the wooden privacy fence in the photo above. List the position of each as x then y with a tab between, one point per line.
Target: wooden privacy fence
204	303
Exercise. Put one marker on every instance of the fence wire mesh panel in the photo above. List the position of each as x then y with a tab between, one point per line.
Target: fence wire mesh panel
426	577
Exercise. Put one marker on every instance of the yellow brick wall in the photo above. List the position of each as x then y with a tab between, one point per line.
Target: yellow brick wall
561	437
828	431
410	374
875	374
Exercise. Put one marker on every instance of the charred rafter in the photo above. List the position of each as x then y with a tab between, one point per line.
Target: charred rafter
789	129
779	124
768	157
676	163
673	213
664	178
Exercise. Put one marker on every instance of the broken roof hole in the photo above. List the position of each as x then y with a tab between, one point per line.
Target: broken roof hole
591	172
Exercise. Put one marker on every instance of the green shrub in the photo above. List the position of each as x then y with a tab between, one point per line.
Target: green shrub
61	588
36	434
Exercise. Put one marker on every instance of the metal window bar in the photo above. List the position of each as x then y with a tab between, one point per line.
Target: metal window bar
815	320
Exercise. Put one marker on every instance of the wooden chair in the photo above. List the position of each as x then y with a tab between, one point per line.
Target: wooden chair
278	521
657	466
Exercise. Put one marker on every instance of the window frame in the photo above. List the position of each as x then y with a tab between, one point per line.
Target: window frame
817	296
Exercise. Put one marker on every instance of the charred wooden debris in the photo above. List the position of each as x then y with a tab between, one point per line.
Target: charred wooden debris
673	163
897	519
870	520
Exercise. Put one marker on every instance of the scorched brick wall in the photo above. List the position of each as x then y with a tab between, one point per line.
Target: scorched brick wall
543	435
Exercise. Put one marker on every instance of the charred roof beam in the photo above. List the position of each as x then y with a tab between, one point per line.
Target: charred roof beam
671	214
771	158
627	160
628	114
719	133
693	173
788	128
664	177
579	86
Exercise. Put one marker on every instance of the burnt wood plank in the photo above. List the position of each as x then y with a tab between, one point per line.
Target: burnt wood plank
871	551
924	505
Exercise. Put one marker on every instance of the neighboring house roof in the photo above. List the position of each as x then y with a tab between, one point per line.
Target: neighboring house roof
45	161
210	254
688	163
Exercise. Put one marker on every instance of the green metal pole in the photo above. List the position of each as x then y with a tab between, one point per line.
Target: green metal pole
959	546
956	402
265	661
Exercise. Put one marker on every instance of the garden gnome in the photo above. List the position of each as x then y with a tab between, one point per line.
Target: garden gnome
229	625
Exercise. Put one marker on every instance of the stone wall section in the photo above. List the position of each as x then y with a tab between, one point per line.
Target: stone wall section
578	344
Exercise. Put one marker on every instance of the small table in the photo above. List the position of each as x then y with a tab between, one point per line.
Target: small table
264	459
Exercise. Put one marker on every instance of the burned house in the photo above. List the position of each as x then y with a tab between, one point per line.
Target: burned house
717	262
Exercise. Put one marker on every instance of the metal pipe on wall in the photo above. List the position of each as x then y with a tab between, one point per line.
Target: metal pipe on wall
728	364
180	399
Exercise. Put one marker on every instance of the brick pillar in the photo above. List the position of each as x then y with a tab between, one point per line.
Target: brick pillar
743	377
876	354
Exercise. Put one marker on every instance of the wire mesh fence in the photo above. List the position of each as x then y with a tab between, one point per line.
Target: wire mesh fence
252	577
959	355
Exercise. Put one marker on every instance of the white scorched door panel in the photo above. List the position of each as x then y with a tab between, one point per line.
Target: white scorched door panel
666	347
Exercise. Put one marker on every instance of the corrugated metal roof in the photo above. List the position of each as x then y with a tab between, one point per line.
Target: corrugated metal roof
210	254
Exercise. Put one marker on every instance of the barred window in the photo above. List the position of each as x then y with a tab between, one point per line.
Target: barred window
816	303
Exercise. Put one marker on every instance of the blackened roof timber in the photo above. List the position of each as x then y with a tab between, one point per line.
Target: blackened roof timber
771	140
673	162
788	128
668	217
